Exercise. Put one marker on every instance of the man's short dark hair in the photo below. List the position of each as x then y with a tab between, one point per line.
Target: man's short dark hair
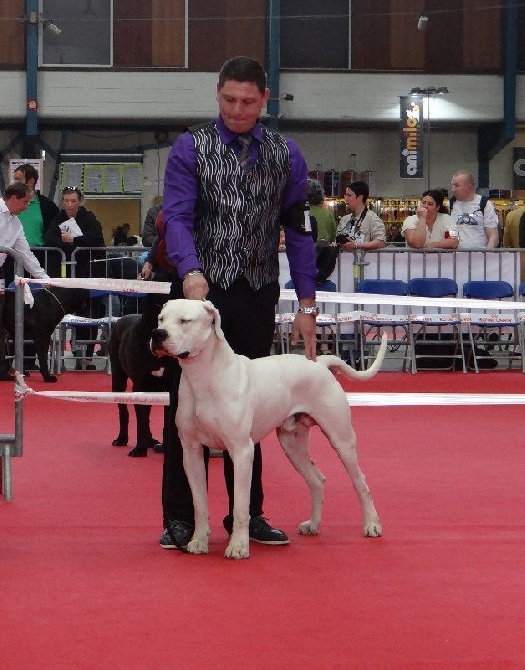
359	188
242	68
18	189
30	172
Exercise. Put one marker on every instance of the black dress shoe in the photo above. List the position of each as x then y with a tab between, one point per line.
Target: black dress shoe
260	531
178	536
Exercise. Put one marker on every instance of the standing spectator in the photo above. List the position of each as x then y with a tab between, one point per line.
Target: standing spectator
148	229
89	263
514	234
325	231
362	228
227	186
514	231
16	199
35	221
41	210
326	223
474	215
431	227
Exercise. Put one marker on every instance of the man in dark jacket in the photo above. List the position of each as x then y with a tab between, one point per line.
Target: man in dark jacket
148	229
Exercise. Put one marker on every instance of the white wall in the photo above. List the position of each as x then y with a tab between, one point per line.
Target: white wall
172	98
158	96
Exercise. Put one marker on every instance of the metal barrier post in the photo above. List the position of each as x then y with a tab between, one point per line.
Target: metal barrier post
11	444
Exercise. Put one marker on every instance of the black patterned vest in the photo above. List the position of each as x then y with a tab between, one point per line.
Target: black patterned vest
237	215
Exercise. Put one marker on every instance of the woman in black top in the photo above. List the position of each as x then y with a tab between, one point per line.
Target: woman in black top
73	228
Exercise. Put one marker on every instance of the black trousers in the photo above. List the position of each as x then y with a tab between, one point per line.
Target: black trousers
248	323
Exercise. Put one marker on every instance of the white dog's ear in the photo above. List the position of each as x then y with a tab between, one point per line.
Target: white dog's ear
211	309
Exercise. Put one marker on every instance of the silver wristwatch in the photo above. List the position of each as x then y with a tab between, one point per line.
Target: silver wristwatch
313	311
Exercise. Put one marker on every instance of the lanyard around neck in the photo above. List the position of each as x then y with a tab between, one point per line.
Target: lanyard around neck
356	223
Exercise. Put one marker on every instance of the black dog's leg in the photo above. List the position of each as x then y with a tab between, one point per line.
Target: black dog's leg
144	437
119	380
123	416
42	350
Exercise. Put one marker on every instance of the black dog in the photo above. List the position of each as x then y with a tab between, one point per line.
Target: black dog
131	358
41	320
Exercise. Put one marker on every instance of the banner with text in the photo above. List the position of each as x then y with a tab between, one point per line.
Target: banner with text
411	137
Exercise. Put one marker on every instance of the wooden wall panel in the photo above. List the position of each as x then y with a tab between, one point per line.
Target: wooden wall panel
132	33
482	22
370	35
444	37
12	38
113	212
168	33
222	29
407	43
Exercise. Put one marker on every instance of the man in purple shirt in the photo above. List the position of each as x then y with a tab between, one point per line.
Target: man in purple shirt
228	186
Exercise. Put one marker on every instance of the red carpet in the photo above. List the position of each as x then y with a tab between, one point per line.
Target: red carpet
84	583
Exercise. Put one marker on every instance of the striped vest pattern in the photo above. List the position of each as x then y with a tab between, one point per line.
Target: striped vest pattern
237	215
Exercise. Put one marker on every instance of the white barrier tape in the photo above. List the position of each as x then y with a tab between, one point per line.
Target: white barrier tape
130	286
139	286
399	399
28	296
22	390
354	399
380	299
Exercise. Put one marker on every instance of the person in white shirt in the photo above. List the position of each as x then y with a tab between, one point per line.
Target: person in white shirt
477	225
431	227
16	198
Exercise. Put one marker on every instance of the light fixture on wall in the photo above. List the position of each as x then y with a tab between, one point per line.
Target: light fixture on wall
429	92
48	24
284	96
422	23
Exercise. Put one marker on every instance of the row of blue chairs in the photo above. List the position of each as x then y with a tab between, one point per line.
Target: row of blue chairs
434	338
439	335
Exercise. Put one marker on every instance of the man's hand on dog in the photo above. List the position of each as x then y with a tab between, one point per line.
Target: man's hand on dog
304	326
195	287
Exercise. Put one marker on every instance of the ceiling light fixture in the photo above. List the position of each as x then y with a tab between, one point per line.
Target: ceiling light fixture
431	90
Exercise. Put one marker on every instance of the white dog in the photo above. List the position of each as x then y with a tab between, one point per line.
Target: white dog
227	401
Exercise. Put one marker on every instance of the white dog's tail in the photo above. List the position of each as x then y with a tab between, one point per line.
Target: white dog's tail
335	364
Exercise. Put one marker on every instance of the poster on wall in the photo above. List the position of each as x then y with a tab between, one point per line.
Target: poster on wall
411	137
519	169
37	163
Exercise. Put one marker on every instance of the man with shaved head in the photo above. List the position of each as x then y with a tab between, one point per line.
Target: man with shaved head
474	215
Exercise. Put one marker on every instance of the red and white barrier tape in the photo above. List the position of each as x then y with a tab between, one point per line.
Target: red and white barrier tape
354	399
139	286
22	390
130	286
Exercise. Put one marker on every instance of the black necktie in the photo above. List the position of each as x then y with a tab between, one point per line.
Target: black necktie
243	156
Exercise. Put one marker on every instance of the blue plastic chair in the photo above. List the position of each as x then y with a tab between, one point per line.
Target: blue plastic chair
371	326
436	330
500	334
